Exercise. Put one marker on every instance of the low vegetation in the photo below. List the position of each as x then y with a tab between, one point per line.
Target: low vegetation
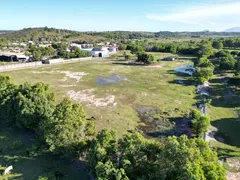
63	129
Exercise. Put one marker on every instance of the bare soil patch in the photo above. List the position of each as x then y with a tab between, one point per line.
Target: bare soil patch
155	66
68	74
87	96
233	175
234	163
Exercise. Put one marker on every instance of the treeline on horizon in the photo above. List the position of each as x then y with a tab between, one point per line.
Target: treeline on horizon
52	34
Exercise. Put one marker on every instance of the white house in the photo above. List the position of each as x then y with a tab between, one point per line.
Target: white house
113	49
100	52
76	45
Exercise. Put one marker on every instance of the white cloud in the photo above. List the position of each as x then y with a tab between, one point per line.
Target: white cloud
200	14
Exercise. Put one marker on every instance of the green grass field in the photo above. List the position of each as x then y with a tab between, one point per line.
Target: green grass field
146	86
112	105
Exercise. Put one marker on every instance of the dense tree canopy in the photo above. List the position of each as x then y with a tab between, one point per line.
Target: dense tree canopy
217	44
68	128
134	157
27	106
64	127
41	53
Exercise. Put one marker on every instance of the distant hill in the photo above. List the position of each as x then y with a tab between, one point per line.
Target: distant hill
4	31
234	29
43	34
55	35
50	34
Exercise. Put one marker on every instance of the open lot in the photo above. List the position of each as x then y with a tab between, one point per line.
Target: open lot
112	103
117	94
151	99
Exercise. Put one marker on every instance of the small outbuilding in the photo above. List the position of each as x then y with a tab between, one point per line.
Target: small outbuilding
14	57
171	58
8	58
99	52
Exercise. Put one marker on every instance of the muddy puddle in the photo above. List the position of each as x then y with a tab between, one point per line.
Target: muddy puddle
158	123
113	79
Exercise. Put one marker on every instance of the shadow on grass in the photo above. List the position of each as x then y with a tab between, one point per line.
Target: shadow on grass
183	82
31	159
187	58
127	64
181	126
177	73
222	96
229	130
158	124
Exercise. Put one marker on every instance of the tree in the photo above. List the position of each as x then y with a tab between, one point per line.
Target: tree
27	106
134	157
68	129
145	58
189	159
172	48
135	48
122	47
205	49
126	57
199	123
203	63
7	93
227	63
203	74
107	171
217	44
221	54
237	66
102	148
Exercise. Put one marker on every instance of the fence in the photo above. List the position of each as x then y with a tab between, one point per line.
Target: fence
10	67
17	66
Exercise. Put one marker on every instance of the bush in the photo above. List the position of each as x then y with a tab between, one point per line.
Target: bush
145	58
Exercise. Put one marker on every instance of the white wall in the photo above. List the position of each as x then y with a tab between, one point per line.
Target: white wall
19	66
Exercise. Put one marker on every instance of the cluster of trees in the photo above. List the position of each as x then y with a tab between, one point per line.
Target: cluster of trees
142	56
74	53
233	43
3	42
200	49
56	50
225	60
134	157
64	128
125	35
40	53
204	50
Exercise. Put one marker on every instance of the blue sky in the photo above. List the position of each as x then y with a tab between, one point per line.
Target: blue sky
134	15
